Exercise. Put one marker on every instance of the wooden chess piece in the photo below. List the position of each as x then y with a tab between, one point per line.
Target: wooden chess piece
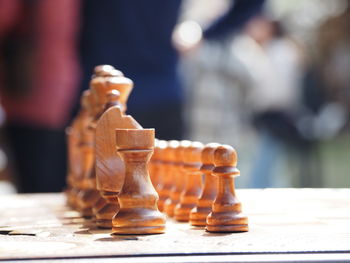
189	197
74	177
199	213
179	178
106	71
169	173
88	195
226	215
138	213
74	137
110	171
162	174
156	165
72	143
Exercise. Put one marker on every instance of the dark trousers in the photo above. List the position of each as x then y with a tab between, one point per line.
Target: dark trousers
39	158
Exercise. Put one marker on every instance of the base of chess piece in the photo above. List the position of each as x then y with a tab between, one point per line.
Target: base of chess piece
99	205
169	207
182	211
141	221
227	222
87	199
106	213
198	216
69	196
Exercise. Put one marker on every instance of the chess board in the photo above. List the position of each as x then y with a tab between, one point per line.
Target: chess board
281	221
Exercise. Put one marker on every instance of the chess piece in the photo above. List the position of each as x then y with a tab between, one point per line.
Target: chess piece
138	213
156	166
199	213
87	196
109	166
74	163
106	71
169	173
162	174
189	197
72	142
226	215
179	178
74	135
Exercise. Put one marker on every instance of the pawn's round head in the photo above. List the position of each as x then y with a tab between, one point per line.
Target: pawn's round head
171	150
159	149
192	154
208	153
225	155
179	152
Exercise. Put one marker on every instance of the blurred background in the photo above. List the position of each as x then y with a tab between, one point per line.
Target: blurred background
270	78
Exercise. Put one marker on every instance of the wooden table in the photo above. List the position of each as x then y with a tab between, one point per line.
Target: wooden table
285	225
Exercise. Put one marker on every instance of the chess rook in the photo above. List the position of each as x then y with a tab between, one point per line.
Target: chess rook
226	215
138	213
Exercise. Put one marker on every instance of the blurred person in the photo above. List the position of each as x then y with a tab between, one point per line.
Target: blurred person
275	62
38	81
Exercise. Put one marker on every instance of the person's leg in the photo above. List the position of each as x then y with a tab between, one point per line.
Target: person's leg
40	158
266	160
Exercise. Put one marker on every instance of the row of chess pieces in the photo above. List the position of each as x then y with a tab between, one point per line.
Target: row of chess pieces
130	182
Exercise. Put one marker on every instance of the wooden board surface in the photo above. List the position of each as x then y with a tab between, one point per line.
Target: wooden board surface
281	221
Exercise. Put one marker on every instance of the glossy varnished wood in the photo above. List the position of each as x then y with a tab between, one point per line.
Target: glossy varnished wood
138	213
191	193
226	215
199	213
110	170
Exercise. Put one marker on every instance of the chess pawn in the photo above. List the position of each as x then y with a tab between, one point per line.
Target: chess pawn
179	178
226	213
138	213
189	197
152	167
162	174
199	213
156	168
169	173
